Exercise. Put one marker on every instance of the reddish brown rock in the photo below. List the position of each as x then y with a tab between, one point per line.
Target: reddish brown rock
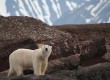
92	40
71	62
92	48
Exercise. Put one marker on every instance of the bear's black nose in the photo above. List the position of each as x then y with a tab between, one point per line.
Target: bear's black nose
46	49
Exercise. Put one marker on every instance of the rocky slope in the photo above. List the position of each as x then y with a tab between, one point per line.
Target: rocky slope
87	32
67	41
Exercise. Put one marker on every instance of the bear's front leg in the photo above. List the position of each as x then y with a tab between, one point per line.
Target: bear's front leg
37	67
44	66
19	71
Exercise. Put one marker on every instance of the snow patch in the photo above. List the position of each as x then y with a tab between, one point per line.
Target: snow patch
3	10
87	0
54	6
89	7
99	7
108	20
96	8
22	9
59	8
74	4
87	20
71	5
47	12
99	21
40	14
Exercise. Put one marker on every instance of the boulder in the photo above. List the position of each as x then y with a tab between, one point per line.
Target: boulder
69	63
92	49
99	71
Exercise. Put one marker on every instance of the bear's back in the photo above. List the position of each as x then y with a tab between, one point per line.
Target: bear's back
22	56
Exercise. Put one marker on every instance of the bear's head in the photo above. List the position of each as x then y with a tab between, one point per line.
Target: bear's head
46	49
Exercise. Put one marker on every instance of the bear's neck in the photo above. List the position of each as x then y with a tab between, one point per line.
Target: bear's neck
42	55
45	55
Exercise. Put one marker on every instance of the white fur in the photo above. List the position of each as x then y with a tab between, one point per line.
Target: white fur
25	58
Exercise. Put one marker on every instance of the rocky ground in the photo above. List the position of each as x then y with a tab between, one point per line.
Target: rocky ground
80	52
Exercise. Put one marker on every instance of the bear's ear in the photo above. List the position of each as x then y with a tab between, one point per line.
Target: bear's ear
40	45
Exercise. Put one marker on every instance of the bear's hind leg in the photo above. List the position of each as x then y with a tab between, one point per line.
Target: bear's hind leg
11	72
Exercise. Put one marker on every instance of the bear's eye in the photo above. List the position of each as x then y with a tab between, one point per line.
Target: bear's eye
46	49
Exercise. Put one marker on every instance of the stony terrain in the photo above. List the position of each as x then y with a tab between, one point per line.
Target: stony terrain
80	52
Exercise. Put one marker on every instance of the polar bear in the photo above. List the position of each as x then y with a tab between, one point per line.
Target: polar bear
22	59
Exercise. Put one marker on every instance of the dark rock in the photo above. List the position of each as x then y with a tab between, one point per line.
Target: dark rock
71	62
92	48
99	71
90	35
107	56
88	32
91	51
4	73
91	41
33	77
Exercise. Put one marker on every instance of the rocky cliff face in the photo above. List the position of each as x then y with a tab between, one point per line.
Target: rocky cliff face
26	32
